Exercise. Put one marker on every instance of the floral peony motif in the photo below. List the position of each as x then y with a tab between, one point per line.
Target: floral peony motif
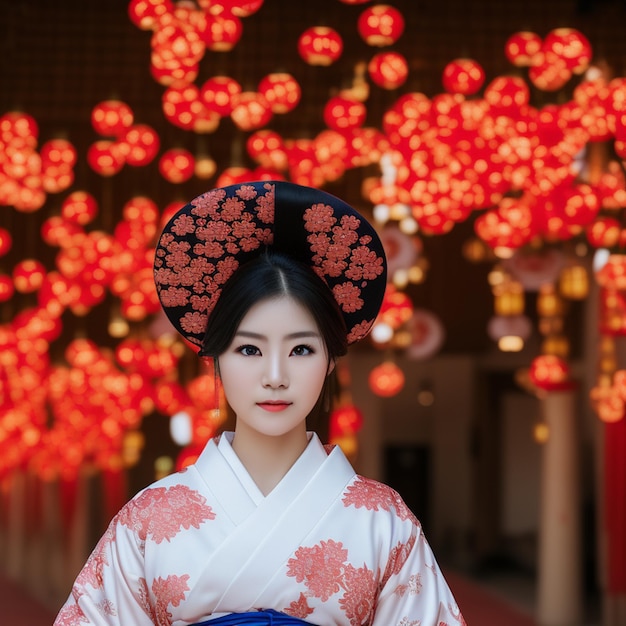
326	571
319	567
374	496
358	602
160	513
170	590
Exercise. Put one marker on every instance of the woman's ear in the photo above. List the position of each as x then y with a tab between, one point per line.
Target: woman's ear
331	367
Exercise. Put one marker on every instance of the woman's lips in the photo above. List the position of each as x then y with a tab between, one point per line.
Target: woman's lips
274	407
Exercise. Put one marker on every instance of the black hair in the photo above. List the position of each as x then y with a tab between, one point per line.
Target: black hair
272	275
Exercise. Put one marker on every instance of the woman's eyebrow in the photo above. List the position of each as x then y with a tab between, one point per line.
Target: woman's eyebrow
297	335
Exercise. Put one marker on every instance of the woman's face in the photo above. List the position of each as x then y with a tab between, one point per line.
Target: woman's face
275	367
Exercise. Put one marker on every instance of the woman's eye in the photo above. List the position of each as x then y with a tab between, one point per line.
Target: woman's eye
248	350
302	350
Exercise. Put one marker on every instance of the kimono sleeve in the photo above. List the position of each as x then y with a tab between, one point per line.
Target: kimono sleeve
415	592
111	589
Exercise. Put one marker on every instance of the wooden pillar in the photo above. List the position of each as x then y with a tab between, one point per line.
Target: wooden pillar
560	547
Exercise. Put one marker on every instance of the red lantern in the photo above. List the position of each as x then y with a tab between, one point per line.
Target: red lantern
550	372
320	45
177	165
604	232
571	46
464	76
522	48
180	102
281	90
145	14
345	420
5	241
396	309
222	32
388	70
170	70
58	157
6	288
106	157
142	144
267	148
507	93
341	113
550	73
28	275
218	92
386	380
19	129
57	152
250	111
79	207
240	8
380	25
111	118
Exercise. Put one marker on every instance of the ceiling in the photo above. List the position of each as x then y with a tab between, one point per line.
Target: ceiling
59	59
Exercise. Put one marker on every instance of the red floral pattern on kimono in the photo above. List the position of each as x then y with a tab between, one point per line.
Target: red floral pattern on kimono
326	545
326	571
157	514
375	496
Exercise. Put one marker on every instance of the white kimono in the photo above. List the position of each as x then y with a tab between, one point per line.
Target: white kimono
326	545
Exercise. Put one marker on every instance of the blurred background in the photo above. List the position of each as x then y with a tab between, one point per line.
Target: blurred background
486	141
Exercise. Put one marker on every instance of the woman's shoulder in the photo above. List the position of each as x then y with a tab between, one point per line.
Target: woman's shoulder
366	494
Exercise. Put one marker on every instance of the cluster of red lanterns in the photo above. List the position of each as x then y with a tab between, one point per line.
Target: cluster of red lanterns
27	176
457	155
124	142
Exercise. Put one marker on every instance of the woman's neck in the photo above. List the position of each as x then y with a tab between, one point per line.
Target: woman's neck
267	459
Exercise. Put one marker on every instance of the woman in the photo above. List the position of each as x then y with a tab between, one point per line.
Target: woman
273	281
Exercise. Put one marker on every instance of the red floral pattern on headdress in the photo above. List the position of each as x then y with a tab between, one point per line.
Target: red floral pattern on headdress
222	226
206	241
332	242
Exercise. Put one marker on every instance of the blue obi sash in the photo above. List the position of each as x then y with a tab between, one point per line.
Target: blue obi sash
255	618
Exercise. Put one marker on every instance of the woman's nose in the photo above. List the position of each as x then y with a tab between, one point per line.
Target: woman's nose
275	375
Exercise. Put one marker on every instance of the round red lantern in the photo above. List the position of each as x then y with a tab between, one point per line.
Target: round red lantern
550	73
177	165
181	102
341	113
111	118
507	93
16	126
464	76
380	25
604	232
222	31
550	372
145	14
6	241
218	92
58	152
28	275
79	207
345	420
240	8
142	144
320	45
251	110
388	70
281	90
105	157
522	48
386	380
6	288
571	46
267	148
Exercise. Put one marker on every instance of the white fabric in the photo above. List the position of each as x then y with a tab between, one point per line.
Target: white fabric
326	545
